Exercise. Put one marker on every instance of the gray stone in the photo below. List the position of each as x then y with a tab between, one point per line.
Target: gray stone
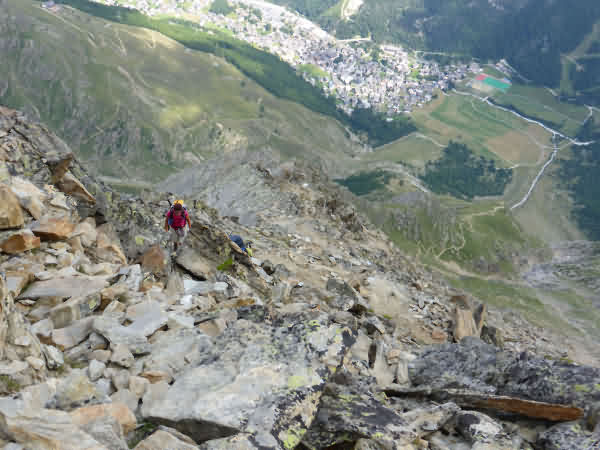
492	336
54	357
402	377
148	307
96	369
346	297
382	372
107	431
74	309
179	321
148	324
568	436
477	427
122	356
127	397
374	324
138	386
348	413
73	391
176	350
112	330
240	441
161	440
204	287
65	287
104	387
43	329
477	366
120	379
42	428
259	378
101	355
74	334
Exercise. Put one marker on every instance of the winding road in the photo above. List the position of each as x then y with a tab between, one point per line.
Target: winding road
554	133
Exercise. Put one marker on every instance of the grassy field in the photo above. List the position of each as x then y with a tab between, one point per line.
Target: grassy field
538	102
415	150
486	130
116	92
522	299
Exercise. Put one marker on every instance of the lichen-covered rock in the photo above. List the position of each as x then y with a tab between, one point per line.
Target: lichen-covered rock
476	427
348	413
261	379
177	350
475	365
568	436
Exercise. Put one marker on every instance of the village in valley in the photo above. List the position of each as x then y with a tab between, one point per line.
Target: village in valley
355	72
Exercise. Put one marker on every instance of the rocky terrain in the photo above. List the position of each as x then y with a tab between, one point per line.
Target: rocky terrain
328	337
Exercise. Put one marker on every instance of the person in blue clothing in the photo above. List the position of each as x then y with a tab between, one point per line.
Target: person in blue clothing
245	247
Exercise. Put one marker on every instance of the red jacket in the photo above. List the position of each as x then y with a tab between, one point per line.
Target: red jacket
177	221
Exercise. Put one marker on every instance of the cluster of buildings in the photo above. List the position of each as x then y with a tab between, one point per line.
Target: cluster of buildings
391	82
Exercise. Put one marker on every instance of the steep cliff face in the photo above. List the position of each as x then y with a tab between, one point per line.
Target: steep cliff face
107	338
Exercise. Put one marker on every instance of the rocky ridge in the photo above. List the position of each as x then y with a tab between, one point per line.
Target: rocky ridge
327	338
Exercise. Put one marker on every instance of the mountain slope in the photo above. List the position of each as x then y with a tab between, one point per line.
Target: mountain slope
119	93
321	340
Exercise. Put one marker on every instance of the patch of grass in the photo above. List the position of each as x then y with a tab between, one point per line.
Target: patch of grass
8	385
141	432
366	182
511	297
225	266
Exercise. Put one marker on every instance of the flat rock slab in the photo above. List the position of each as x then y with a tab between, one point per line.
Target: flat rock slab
177	350
65	287
42	428
261	379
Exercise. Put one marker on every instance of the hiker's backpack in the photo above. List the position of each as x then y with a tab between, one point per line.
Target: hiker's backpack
170	211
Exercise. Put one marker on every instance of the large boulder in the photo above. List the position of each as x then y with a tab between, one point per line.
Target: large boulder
11	215
348	413
477	366
257	378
